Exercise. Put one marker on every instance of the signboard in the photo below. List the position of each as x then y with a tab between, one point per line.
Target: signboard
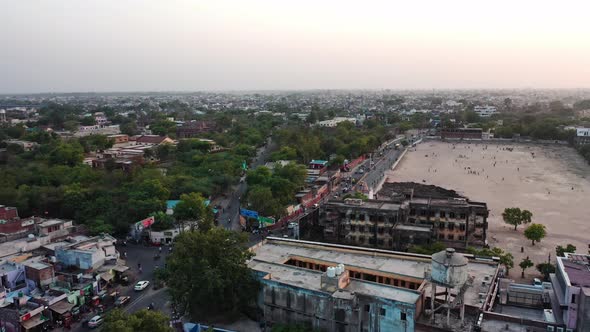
147	222
249	213
265	221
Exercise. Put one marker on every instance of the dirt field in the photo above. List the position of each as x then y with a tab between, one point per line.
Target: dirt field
533	177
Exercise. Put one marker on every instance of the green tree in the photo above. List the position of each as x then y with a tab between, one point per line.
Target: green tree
427	249
261	199
546	269
535	232
516	216
560	251
506	258
69	154
143	320
525	264
162	221
192	207
209	275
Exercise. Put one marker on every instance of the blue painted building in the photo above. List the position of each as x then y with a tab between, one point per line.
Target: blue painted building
307	284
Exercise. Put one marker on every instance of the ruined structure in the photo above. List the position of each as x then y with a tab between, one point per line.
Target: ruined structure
406	214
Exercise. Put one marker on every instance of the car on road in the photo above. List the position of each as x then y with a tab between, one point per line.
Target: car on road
141	285
95	322
122	300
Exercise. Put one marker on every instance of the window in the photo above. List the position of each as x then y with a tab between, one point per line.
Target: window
441	225
367	308
462	216
362	229
352	228
380	242
461	238
451	237
342	215
402	283
423	213
412	212
402	316
443	214
451	226
451	214
361	239
382	312
380	230
573	298
441	236
462	227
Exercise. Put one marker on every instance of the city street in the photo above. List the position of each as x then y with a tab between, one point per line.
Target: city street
144	255
229	218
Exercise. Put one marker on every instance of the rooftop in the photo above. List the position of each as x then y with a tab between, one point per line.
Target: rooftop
51	222
271	256
368	204
577	267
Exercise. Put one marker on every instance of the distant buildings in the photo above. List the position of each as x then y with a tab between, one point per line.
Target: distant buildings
485	111
194	129
335	121
461	133
582	136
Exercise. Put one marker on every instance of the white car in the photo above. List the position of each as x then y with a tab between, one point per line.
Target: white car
141	285
95	322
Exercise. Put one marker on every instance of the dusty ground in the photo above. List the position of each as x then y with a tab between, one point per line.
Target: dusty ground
541	184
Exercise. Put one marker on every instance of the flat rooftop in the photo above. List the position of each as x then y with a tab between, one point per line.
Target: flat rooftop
51	222
276	251
368	204
577	268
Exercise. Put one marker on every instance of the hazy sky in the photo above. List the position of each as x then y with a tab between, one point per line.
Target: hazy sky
125	45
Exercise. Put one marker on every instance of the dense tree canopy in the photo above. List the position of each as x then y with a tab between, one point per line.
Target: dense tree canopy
142	320
209	275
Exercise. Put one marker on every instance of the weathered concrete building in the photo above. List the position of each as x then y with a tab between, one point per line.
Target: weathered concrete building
341	288
571	283
406	214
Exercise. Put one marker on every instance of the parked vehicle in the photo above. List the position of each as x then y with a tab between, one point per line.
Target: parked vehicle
95	321
122	300
141	285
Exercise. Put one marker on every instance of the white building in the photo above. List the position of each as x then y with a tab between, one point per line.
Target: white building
335	121
582	136
485	111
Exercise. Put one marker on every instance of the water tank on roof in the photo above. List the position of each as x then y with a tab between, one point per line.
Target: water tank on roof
331	272
449	268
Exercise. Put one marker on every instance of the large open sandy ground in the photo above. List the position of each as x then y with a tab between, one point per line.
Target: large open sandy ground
533	177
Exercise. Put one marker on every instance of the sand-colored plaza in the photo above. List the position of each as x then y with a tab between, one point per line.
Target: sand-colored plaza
550	181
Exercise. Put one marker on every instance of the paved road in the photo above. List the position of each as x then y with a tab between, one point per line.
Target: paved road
139	300
229	218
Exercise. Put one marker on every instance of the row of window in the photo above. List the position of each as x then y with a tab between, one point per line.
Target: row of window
450	226
442	214
370	229
369	217
370	240
383	312
451	237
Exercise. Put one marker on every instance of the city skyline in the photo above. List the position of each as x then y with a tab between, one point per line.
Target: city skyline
109	46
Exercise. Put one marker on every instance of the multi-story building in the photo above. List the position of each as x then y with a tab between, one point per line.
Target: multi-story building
571	284
485	111
461	133
341	288
195	129
406	214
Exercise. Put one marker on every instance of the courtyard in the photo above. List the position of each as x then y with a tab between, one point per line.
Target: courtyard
550	181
